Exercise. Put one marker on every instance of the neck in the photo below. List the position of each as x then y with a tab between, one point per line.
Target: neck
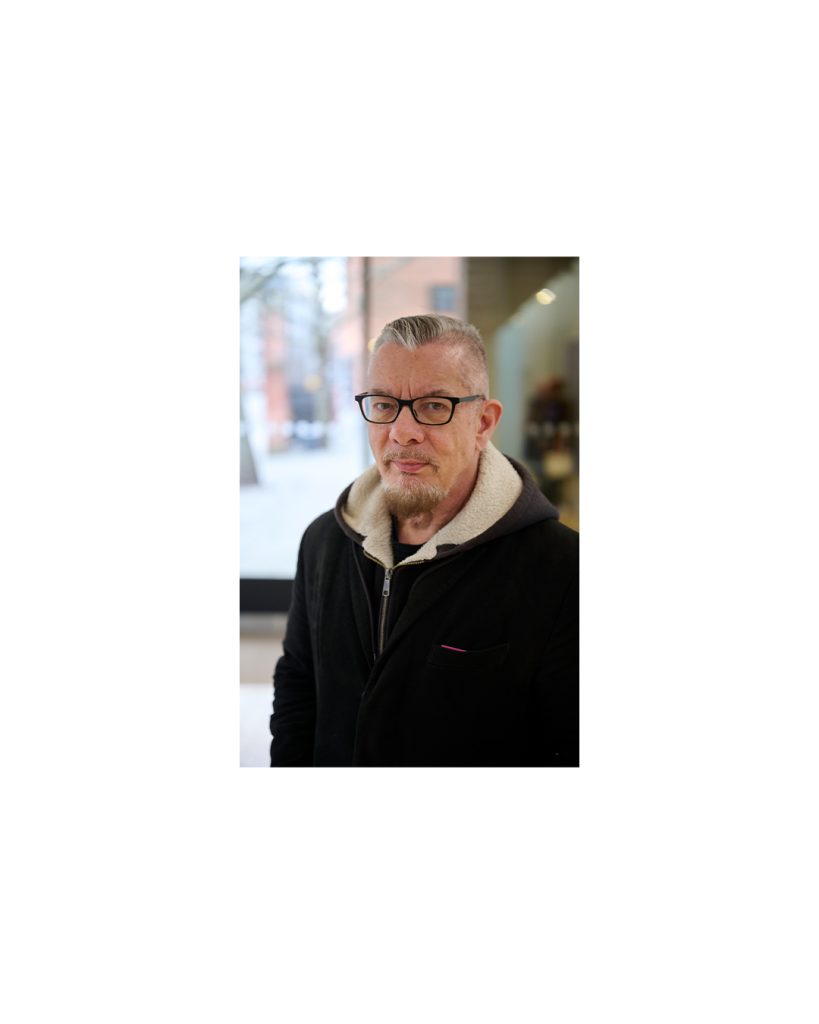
418	529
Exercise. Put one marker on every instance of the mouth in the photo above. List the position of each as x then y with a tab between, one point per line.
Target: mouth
408	467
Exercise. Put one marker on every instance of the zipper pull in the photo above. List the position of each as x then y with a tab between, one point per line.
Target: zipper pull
387	578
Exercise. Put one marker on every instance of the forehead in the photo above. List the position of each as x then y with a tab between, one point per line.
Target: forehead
429	368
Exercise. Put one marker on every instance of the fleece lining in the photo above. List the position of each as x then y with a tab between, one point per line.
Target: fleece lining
496	490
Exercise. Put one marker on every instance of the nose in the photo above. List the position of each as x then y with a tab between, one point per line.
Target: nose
406	429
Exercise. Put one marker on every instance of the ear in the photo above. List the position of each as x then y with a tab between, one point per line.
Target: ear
489	419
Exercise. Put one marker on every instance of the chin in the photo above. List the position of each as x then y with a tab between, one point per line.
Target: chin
410	497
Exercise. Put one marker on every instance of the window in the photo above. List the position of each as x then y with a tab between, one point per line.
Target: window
442	298
305	326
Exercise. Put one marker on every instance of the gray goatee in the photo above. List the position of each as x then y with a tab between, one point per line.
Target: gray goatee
413	498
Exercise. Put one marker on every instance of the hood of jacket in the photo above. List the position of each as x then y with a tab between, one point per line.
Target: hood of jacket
505	498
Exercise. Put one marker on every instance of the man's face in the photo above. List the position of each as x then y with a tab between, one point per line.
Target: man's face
424	466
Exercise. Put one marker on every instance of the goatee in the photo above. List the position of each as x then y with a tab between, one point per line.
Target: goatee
405	501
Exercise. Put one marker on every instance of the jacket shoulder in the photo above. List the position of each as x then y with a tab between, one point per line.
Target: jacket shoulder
321	526
553	542
322	533
560	535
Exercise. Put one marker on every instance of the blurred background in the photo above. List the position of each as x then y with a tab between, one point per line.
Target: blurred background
306	327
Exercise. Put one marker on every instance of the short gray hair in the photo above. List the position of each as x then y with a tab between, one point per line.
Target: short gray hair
413	331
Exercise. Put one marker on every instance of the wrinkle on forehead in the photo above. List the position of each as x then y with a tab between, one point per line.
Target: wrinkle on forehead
444	391
413	371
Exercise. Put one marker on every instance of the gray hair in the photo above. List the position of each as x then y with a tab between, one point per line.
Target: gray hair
413	331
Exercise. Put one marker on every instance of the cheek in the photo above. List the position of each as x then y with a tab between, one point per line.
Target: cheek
448	458
378	442
458	456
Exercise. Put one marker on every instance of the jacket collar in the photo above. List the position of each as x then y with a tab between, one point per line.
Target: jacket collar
362	510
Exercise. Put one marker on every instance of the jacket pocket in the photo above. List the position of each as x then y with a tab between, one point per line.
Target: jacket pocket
468	661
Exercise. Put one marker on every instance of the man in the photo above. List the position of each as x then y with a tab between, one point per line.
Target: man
434	612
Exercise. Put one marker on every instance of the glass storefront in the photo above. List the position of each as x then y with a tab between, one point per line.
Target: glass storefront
306	323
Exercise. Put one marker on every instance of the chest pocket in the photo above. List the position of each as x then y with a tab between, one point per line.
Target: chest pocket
468	661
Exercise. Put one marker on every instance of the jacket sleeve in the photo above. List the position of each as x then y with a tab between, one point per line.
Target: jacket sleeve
554	722
293	722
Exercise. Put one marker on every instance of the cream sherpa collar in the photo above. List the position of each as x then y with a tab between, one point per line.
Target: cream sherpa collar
496	490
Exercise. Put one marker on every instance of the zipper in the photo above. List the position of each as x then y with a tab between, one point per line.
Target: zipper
382	615
382	623
381	636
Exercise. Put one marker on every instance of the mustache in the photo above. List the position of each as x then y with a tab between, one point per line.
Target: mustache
406	455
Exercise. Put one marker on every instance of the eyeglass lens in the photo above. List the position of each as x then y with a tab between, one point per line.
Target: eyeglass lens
383	409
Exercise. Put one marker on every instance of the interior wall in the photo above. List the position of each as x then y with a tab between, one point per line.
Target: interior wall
533	349
531	343
497	286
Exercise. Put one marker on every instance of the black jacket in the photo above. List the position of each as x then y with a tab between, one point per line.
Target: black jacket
471	658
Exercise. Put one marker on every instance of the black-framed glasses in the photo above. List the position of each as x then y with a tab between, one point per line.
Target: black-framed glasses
431	411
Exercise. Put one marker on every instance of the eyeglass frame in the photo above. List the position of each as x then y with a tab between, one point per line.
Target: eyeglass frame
409	401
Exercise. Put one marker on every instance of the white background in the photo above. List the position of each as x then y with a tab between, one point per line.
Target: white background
673	876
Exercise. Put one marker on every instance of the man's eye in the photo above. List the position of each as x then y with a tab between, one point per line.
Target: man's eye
434	406
383	406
